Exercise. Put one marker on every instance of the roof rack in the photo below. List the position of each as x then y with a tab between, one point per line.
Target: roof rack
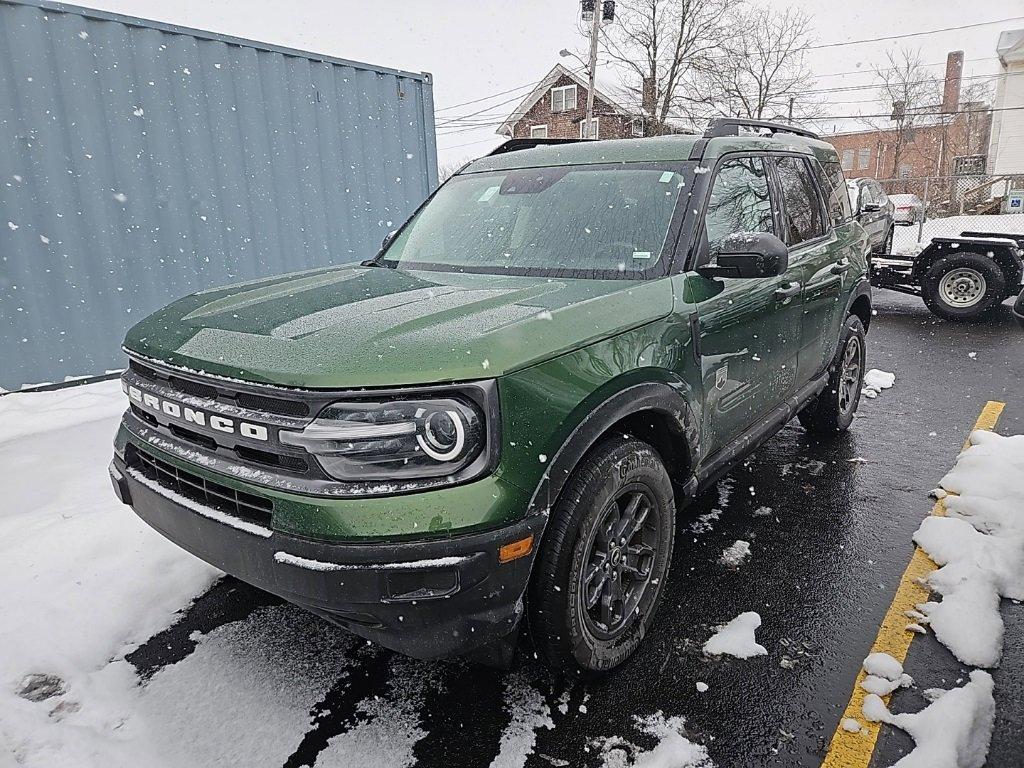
730	126
514	145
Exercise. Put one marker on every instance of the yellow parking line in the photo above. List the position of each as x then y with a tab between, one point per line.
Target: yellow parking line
854	750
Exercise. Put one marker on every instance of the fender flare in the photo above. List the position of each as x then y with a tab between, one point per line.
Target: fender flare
862	288
660	397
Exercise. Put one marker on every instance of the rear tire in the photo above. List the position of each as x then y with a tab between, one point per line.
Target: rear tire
963	286
592	594
832	410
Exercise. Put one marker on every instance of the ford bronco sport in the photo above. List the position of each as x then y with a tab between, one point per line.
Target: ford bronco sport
495	421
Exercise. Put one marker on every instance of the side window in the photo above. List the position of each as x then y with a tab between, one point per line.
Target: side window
805	219
830	179
739	202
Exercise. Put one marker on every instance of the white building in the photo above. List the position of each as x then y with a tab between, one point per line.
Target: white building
1006	147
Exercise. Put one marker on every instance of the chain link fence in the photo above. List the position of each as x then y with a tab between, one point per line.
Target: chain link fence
946	206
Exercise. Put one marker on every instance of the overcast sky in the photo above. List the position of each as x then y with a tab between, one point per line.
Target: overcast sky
476	49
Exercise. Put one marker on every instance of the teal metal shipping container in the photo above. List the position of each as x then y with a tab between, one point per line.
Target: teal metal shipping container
142	161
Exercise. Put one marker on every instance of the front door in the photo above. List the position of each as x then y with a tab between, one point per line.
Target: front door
749	327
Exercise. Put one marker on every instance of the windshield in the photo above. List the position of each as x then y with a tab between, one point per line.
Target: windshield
582	221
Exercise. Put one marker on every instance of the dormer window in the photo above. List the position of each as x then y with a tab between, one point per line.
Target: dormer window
563	98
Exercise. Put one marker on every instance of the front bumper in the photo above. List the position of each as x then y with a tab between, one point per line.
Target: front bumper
427	598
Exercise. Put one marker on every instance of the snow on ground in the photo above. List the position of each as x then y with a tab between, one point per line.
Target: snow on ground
737	638
952	732
734	555
905	240
528	712
673	749
980	546
83	579
875	381
25	413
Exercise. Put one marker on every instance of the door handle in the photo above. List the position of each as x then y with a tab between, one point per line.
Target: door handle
787	291
840	267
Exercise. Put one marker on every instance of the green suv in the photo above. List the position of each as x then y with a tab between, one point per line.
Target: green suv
492	425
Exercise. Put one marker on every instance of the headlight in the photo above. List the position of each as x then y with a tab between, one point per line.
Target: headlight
394	439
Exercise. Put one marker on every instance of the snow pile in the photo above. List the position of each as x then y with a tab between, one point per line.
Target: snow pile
905	240
84	580
980	547
734	555
737	638
884	675
673	749
952	732
875	381
29	413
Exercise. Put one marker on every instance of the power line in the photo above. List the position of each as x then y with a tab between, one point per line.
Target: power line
911	34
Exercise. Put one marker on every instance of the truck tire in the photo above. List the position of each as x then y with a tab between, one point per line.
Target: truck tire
832	410
603	559
963	286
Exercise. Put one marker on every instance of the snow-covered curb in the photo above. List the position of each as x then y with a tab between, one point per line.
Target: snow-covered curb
980	546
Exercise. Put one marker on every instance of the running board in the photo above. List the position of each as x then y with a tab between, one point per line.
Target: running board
719	463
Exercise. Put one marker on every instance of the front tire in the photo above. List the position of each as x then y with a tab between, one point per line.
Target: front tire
832	410
603	559
963	286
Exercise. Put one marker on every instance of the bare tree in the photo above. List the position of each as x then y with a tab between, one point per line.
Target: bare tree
762	72
907	89
446	170
660	46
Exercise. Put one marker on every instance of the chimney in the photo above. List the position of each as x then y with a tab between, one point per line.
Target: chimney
648	96
951	85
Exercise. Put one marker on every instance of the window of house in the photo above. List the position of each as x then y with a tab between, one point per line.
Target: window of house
594	129
563	98
538	131
739	201
636	126
864	157
847	159
904	171
804	219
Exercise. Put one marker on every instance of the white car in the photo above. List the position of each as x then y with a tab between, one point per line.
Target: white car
909	209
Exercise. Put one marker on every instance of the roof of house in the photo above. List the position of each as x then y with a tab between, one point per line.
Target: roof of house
1010	46
601	91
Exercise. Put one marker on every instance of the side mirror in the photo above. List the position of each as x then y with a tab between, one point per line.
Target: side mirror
387	239
870	207
749	254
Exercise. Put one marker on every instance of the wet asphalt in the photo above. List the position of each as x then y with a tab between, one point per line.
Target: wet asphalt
830	527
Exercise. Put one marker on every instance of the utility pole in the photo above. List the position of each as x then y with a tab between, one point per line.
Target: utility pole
791	100
595	27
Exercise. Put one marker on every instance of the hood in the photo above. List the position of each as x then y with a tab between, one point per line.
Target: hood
351	327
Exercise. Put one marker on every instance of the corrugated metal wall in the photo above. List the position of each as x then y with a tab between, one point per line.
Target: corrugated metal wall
140	162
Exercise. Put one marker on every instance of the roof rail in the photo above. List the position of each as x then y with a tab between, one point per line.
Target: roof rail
514	145
730	126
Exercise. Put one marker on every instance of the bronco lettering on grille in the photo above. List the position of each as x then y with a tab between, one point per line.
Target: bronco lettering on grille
192	416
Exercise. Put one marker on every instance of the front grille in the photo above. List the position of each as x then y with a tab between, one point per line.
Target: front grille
193	388
273	404
278	405
244	506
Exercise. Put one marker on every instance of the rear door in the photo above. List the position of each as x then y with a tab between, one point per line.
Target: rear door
749	328
815	256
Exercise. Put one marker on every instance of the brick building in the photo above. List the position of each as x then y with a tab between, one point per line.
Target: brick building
557	108
950	144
